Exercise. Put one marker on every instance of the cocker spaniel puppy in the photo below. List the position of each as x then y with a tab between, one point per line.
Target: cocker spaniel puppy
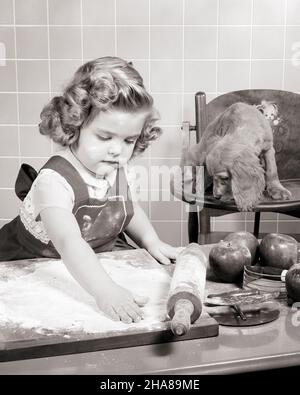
237	151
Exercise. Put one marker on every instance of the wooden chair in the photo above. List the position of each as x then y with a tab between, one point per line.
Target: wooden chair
283	111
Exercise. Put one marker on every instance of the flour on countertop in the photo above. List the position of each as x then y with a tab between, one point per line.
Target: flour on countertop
48	298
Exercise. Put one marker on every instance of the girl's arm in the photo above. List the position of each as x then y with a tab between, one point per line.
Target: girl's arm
142	232
81	261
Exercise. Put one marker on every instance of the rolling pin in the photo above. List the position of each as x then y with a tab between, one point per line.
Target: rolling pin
184	302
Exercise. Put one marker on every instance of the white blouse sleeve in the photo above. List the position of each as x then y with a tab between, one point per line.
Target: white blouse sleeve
50	189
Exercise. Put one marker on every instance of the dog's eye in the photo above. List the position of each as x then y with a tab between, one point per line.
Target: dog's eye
224	179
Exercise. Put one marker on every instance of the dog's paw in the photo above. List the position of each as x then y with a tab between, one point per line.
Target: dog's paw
279	193
247	207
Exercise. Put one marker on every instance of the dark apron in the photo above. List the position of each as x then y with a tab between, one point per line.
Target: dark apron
101	222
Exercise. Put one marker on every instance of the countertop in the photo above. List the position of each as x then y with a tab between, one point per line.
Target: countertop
235	350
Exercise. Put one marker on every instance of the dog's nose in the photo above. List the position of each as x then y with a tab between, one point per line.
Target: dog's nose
217	196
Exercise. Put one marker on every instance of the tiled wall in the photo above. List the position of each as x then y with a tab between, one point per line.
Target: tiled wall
179	46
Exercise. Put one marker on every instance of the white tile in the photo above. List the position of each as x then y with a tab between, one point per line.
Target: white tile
98	12
65	42
200	42
166	76
9	145
133	42
33	76
235	12
201	12
266	74
3	222
293	12
289	227
169	144
234	42
230	226
268	12
9	168
132	12
267	42
10	204
31	106
6	12
102	46
167	12
292	76
142	66
7	41
66	12
8	76
166	42
199	76
170	108
292	43
233	75
32	42
62	72
8	105
41	146
31	12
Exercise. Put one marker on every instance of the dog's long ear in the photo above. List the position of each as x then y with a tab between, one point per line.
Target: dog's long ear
188	183
193	155
248	180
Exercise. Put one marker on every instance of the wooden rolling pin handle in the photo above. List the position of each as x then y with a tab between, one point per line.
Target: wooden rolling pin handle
185	293
181	321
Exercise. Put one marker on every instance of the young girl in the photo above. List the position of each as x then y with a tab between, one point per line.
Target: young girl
80	202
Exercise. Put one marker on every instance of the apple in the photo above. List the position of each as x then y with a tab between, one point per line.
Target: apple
246	239
292	282
278	250
227	260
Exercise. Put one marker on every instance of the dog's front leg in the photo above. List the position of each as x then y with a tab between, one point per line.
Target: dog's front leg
274	188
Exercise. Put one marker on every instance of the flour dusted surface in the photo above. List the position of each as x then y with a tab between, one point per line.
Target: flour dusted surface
48	298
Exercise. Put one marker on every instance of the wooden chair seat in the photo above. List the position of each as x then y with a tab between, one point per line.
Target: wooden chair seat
267	204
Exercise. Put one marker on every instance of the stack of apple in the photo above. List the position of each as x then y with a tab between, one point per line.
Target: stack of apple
228	257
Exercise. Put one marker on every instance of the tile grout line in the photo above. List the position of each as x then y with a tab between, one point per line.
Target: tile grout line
283	77
251	41
17	83
213	224
149	82
162	59
182	102
284	45
250	73
115	27
81	31
153	25
49	64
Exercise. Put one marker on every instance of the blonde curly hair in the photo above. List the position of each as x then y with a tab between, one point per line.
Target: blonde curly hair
99	85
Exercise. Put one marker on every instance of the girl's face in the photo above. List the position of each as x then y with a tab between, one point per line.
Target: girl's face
108	141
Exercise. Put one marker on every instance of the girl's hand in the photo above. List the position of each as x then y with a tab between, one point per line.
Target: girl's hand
163	252
121	305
